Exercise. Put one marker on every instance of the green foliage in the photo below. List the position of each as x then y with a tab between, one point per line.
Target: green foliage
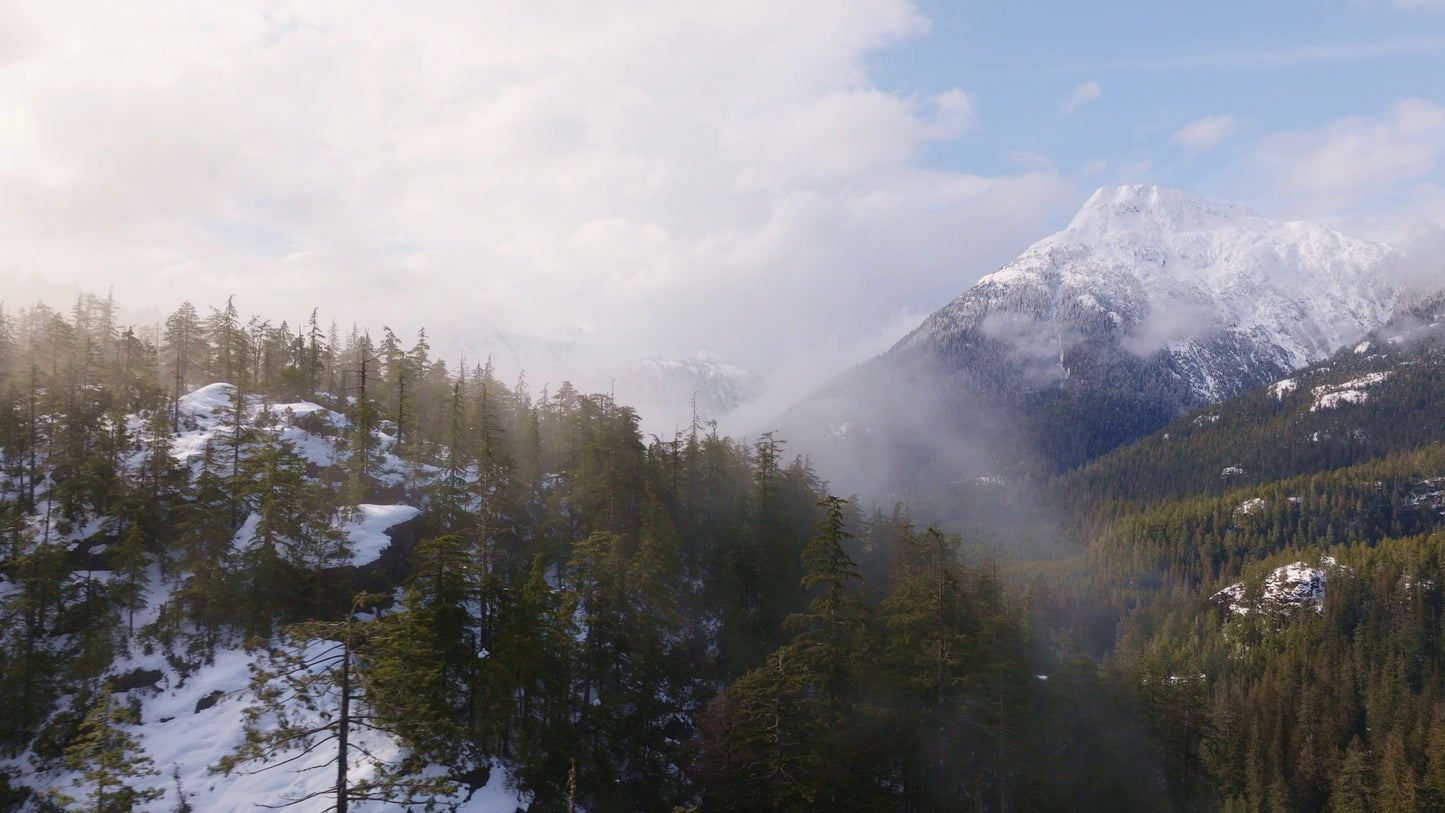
107	759
694	622
314	702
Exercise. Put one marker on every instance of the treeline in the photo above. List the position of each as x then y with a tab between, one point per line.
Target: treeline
622	623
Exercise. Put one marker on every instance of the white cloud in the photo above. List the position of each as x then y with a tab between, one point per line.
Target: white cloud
1358	158
670	176
1083	94
1204	134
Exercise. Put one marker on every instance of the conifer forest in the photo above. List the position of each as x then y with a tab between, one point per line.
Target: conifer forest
599	619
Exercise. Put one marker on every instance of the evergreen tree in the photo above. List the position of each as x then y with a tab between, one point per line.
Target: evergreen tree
183	351
425	661
109	759
313	710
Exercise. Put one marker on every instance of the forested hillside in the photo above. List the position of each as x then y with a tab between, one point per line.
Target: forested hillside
561	607
1274	565
308	551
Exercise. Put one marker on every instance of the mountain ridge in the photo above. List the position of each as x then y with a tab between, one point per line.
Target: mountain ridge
1151	303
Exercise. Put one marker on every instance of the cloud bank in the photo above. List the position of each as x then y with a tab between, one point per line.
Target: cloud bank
649	178
1357	158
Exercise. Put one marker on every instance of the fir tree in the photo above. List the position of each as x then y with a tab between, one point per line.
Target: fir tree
109	760
313	709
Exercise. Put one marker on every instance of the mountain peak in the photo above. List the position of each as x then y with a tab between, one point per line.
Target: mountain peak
1151	303
1137	207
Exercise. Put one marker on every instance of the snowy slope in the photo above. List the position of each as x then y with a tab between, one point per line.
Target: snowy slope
188	722
1225	292
1151	303
1286	590
191	712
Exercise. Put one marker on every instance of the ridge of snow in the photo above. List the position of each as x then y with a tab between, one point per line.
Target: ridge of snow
367	533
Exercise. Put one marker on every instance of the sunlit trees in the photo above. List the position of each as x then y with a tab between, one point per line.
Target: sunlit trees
107	759
313	710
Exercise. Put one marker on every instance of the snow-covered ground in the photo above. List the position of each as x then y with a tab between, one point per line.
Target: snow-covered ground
1280	389
190	720
185	738
1354	391
1287	588
366	533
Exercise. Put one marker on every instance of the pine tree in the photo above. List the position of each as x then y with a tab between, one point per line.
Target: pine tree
109	759
231	357
183	350
31	612
362	457
313	710
426	665
207	525
834	626
1353	789
792	734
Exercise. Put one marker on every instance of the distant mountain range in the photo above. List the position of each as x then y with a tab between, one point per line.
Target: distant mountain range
670	394
1151	303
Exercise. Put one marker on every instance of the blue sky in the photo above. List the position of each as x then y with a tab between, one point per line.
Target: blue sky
1270	68
566	184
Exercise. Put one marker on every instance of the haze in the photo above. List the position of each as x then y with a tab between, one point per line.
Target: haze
790	187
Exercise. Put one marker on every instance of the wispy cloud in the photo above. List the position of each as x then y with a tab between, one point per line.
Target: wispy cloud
1083	94
1358	157
1204	134
1285	57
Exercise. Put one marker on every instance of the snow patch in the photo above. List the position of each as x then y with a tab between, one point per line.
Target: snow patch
1287	589
367	533
1251	506
1330	396
1280	389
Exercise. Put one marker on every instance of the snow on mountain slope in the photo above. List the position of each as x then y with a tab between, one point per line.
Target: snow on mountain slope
1151	303
190	721
206	418
1225	292
1286	589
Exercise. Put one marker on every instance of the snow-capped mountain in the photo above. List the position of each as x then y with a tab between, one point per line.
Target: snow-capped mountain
1151	302
1232	298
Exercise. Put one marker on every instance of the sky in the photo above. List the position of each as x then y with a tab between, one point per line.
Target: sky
787	186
